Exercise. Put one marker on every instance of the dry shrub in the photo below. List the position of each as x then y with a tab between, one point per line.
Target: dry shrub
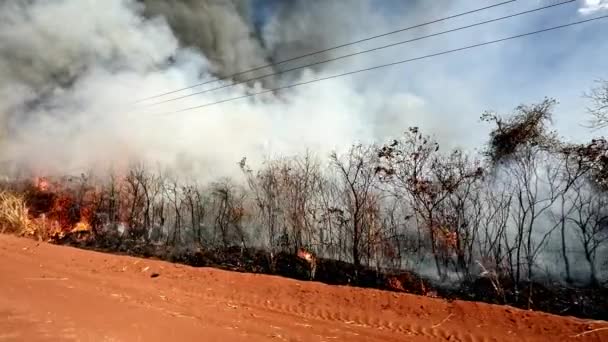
45	229
590	158
495	280
527	127
15	218
14	215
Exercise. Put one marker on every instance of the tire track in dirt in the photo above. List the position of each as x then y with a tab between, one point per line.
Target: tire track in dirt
301	310
259	303
350	319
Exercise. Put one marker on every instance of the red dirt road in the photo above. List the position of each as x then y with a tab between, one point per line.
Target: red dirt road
55	293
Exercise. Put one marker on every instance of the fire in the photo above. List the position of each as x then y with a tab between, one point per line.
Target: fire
306	255
311	260
58	209
81	227
41	184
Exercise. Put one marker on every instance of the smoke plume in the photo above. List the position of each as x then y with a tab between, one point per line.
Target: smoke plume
71	71
68	81
221	30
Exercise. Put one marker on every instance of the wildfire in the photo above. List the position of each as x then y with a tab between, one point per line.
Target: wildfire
303	254
81	227
42	184
57	209
310	259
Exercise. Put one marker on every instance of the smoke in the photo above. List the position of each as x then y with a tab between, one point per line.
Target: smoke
68	80
70	71
220	29
225	31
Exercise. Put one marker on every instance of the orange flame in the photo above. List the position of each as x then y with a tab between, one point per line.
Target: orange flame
81	227
306	255
59	209
41	184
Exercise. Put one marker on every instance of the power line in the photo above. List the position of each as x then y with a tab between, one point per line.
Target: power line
329	49
390	64
362	52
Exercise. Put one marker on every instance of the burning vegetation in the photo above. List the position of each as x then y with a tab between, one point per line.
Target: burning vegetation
375	216
59	209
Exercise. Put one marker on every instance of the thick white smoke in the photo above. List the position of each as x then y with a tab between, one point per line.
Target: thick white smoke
70	71
68	80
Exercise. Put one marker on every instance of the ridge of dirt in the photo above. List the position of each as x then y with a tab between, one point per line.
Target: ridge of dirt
548	296
58	293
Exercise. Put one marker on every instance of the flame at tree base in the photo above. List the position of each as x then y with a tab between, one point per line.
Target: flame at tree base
54	210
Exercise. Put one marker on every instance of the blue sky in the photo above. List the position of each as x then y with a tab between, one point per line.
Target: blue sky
458	87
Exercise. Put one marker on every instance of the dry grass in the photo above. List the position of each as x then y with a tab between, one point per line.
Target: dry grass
494	279
14	217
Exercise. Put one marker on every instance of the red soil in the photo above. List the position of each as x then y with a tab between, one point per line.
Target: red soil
55	293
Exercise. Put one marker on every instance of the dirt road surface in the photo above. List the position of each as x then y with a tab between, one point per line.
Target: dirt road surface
55	293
